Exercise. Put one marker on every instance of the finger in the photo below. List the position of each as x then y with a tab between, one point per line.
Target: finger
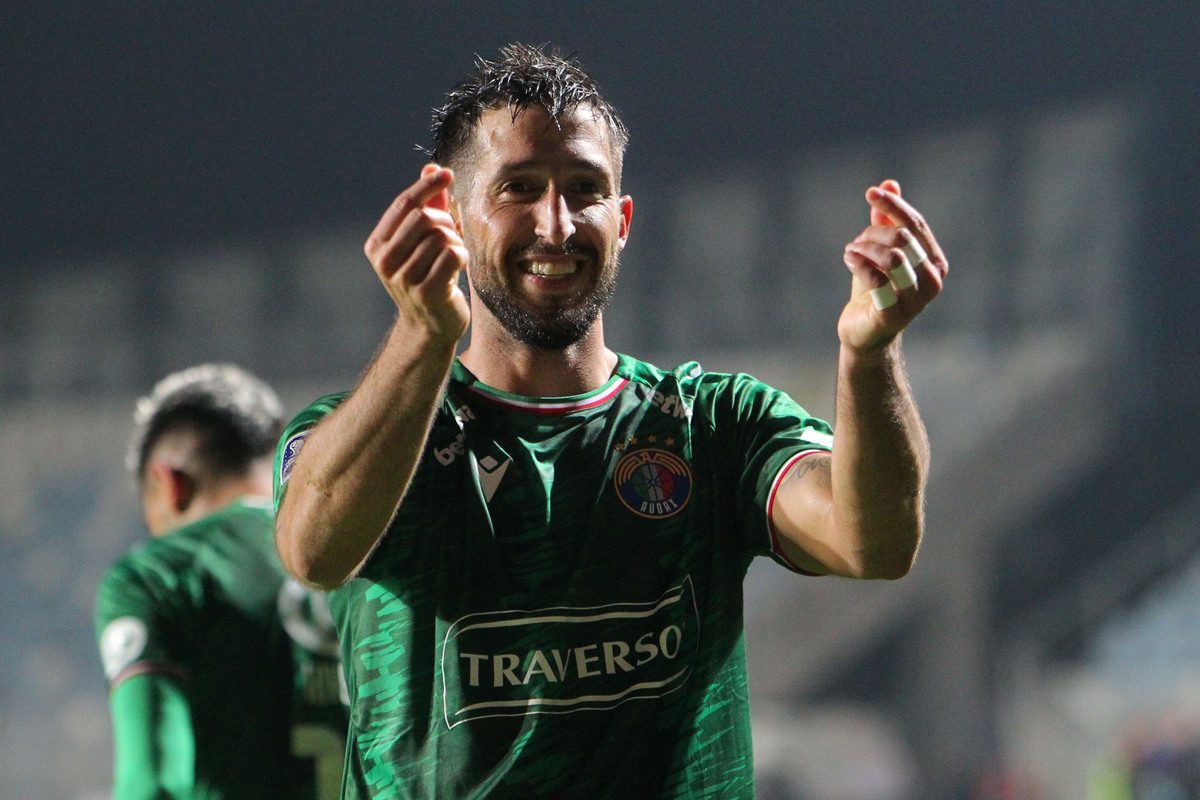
434	181
902	276
389	256
416	267
446	267
890	249
441	200
868	276
894	210
889	205
877	216
884	271
415	227
884	297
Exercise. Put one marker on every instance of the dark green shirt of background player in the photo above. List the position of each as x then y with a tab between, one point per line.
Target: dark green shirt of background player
210	696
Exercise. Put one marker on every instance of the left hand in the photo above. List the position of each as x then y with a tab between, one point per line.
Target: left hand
878	250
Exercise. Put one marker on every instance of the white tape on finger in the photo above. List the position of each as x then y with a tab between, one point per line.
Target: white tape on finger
915	254
903	276
883	297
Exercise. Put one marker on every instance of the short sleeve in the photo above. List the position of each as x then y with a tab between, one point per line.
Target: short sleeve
293	439
138	617
763	431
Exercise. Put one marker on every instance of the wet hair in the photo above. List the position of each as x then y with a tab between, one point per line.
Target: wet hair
233	417
523	76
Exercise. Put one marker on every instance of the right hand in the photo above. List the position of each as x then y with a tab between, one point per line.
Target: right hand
894	223
417	252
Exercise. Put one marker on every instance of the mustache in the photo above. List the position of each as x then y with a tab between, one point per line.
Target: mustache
568	249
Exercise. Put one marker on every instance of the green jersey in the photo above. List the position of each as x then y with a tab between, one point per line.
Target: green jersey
209	607
556	608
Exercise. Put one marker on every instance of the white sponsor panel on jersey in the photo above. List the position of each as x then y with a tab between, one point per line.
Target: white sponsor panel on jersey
560	660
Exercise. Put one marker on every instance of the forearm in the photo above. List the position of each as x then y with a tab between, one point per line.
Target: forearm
153	744
880	461
352	472
860	512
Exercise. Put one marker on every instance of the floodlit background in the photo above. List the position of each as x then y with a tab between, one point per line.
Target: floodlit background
185	182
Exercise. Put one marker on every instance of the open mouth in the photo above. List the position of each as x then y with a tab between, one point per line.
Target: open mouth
551	269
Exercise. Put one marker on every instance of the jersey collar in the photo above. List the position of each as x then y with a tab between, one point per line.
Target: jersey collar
538	405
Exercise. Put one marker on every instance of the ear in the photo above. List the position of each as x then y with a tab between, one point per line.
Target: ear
626	218
178	487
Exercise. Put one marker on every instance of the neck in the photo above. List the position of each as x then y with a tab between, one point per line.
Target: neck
255	483
229	492
505	364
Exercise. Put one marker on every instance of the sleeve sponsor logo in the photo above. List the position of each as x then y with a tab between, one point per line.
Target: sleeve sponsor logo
653	483
291	449
562	660
122	643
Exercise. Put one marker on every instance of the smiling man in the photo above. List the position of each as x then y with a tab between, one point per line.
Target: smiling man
536	549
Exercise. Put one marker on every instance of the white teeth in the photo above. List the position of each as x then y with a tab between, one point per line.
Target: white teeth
551	268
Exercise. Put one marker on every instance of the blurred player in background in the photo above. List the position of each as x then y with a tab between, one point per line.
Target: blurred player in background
224	676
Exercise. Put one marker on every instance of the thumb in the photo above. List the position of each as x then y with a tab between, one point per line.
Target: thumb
441	200
877	216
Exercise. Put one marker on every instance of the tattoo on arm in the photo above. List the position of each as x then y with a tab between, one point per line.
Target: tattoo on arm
817	462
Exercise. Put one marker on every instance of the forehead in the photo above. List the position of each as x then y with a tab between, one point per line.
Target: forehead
535	138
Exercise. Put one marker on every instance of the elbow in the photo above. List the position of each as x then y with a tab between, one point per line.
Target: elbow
314	575
302	564
897	563
892	558
889	572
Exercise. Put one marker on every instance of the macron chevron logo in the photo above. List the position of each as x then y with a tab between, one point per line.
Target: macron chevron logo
490	473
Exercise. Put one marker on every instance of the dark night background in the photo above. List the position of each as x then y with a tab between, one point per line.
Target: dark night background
152	125
187	181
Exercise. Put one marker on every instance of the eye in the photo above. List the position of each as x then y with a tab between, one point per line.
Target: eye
589	187
516	186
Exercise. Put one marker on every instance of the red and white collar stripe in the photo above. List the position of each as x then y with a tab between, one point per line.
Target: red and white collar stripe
550	405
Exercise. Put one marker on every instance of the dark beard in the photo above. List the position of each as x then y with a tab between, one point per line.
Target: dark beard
554	330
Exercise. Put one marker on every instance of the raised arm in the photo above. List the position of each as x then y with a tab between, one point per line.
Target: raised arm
352	472
860	511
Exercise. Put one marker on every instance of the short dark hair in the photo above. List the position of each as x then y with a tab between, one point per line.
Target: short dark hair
523	76
235	419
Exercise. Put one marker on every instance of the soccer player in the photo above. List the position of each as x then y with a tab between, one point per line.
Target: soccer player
539	545
223	674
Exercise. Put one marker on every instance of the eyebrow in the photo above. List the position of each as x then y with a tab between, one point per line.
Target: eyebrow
574	163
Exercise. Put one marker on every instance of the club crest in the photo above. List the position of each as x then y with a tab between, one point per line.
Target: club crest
653	483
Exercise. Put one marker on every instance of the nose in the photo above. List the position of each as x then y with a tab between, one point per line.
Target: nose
553	218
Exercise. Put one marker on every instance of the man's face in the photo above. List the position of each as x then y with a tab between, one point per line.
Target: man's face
543	222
